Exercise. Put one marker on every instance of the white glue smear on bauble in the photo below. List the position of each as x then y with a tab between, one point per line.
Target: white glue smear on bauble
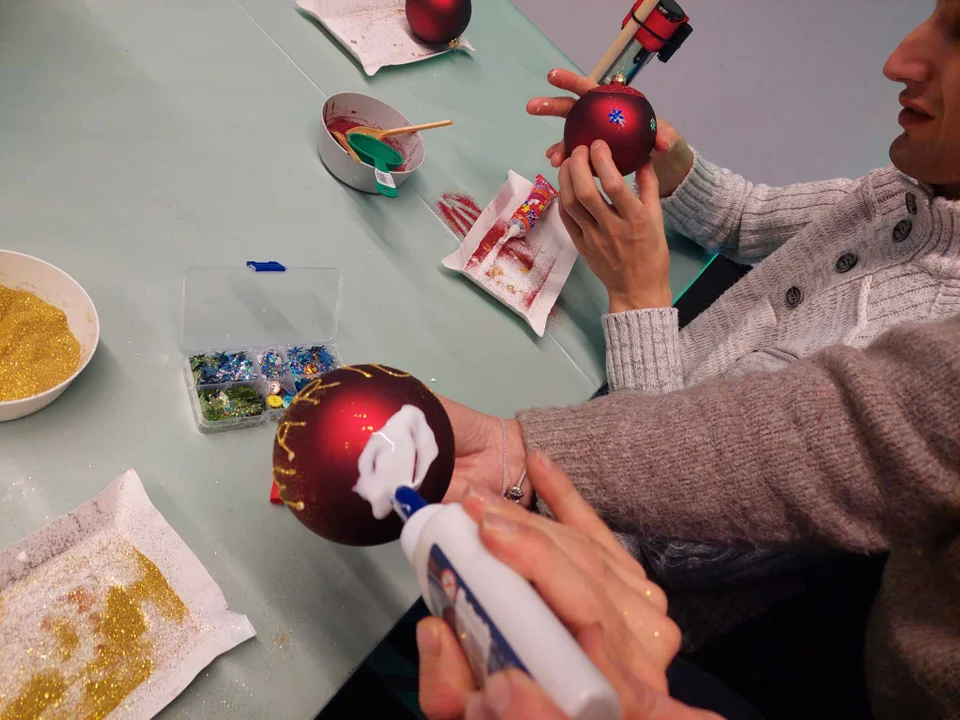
398	454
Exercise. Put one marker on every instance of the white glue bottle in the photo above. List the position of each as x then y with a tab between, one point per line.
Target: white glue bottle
499	619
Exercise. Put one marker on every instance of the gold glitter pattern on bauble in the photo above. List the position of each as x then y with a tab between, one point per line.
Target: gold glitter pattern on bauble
122	657
37	349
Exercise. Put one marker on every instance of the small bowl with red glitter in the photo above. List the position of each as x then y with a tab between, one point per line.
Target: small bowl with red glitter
343	112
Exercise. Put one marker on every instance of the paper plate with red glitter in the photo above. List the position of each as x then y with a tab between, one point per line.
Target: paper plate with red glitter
375	32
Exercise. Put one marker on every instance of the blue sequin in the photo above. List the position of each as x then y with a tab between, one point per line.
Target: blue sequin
616	117
272	365
214	368
311	361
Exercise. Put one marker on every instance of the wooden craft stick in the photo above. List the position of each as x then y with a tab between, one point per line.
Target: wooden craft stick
623	39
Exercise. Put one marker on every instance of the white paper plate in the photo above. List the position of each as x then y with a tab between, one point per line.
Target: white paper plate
375	32
60	576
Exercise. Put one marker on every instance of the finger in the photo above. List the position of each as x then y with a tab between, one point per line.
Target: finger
570	81
585	186
559	155
576	234
556	153
445	677
576	600
667	137
513	695
567	505
578	597
648	188
550	106
570	202
613	183
592	557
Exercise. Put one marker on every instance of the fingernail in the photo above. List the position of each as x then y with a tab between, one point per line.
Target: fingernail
483	493
497	523
496	691
597	144
428	642
552	73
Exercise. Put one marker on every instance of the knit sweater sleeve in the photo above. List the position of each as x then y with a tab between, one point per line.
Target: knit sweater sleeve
847	448
725	214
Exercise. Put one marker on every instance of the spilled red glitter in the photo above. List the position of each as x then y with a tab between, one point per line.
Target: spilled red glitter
460	212
345	124
494	235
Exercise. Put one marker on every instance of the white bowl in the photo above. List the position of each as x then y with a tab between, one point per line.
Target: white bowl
53	285
365	110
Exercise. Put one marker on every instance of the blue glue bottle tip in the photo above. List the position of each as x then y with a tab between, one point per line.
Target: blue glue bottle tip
406	501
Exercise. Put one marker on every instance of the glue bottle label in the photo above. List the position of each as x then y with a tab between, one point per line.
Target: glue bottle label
486	649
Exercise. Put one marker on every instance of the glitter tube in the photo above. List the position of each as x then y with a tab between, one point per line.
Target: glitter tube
527	215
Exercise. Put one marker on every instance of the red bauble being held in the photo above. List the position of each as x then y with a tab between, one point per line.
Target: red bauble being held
619	115
438	22
328	425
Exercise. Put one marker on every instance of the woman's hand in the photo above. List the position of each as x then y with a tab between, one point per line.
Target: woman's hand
672	157
623	241
593	586
479	451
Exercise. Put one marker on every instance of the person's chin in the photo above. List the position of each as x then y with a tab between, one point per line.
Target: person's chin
900	154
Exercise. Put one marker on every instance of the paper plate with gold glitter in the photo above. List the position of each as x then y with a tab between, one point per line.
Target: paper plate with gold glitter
49	330
105	612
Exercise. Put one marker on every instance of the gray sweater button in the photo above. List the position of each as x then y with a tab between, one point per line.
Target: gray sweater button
902	230
794	297
846	262
911	203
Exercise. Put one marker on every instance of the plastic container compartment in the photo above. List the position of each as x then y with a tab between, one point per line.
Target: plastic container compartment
242	311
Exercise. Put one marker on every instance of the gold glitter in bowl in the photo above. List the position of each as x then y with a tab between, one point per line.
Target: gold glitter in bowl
37	349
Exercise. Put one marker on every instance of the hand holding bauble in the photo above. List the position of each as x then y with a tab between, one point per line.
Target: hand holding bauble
619	115
321	436
438	22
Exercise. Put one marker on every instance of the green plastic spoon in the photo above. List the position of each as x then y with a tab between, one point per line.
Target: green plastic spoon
383	158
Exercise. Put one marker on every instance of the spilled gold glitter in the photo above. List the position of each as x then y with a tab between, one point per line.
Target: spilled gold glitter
283	430
388	371
357	370
123	656
312	393
67	639
43	691
298	505
37	349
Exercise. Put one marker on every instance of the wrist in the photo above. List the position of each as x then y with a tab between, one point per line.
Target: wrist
659	298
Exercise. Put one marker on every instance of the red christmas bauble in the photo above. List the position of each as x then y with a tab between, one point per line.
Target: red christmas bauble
619	115
320	438
438	21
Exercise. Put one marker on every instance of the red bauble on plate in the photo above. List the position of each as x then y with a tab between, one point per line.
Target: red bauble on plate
619	115
438	21
320	438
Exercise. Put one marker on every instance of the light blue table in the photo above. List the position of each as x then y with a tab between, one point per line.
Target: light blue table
138	139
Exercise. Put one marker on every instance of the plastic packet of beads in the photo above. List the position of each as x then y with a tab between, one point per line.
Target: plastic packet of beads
107	612
253	339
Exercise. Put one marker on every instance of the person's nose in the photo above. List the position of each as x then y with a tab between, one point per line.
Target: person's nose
910	62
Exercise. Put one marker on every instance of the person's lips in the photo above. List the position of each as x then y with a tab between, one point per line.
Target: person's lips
913	114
